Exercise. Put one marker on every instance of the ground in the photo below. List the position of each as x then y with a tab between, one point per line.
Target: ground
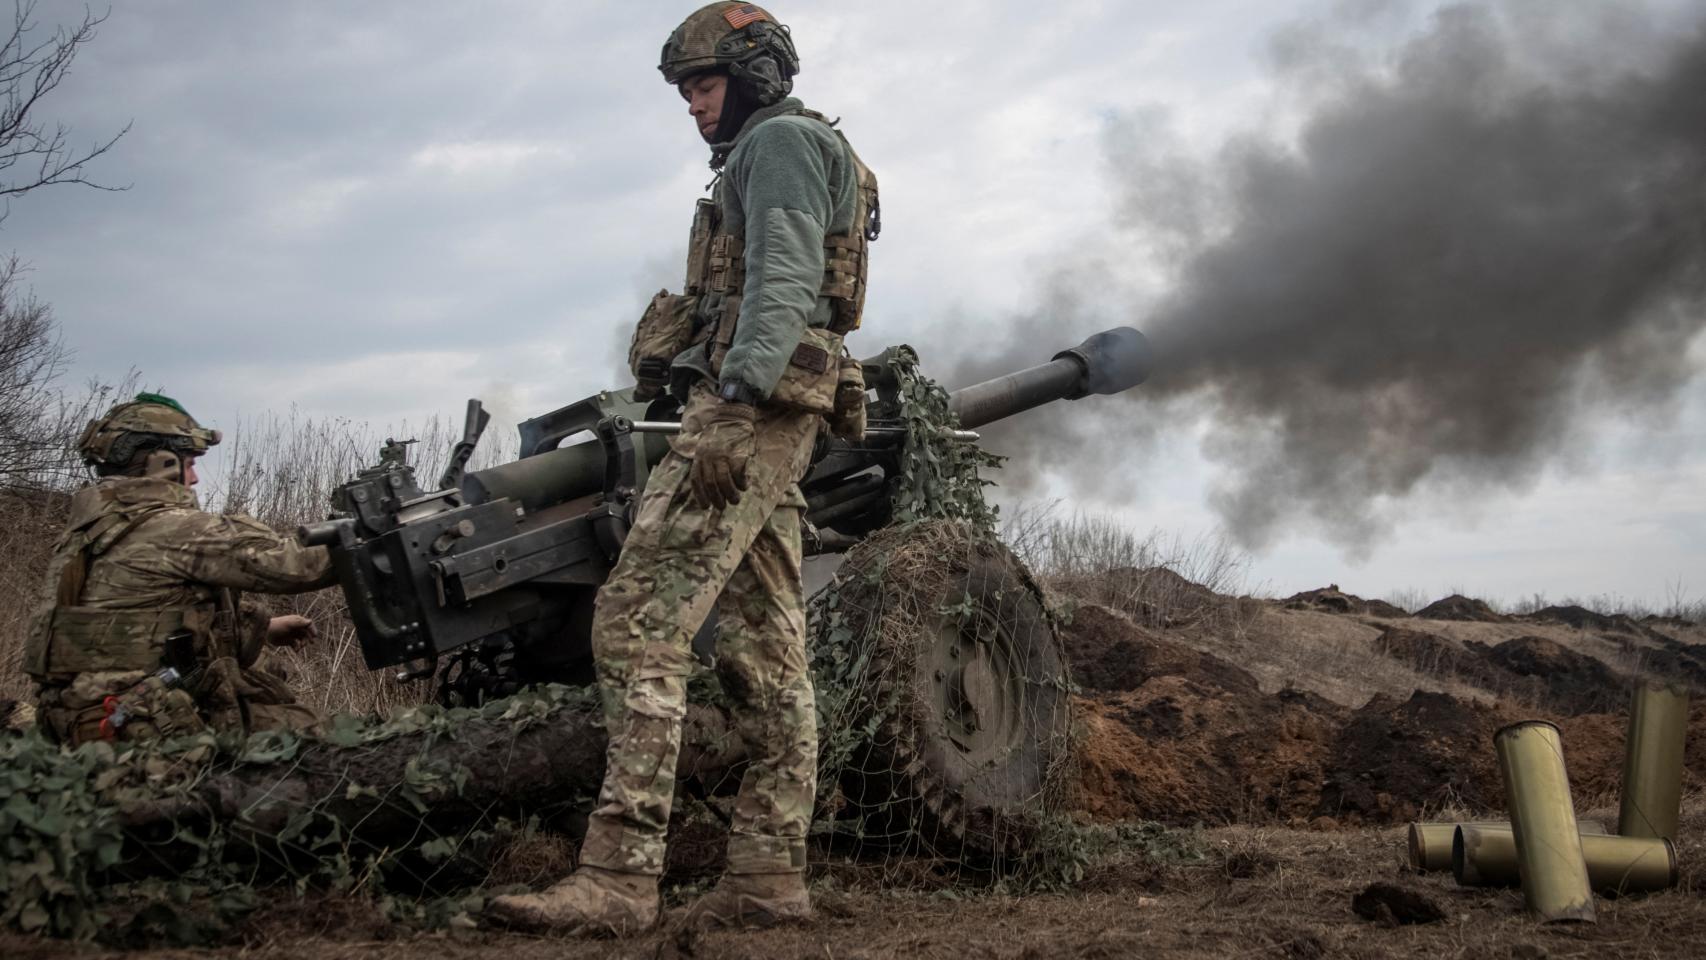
1285	743
1282	893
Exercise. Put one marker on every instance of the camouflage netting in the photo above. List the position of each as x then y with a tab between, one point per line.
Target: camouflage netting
942	696
942	688
944	699
408	808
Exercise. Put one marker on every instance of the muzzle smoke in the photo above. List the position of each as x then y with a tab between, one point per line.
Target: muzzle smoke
1473	242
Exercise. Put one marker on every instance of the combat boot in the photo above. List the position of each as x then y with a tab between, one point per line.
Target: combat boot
591	902
751	900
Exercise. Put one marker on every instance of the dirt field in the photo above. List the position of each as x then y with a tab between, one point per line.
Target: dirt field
1263	892
1286	742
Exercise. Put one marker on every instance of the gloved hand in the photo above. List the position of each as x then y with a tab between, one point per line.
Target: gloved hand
721	454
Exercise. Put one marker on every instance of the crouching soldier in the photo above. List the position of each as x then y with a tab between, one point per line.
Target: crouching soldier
142	631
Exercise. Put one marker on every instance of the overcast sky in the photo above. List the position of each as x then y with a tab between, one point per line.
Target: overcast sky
377	210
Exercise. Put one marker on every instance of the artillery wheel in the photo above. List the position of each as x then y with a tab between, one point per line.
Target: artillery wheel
955	671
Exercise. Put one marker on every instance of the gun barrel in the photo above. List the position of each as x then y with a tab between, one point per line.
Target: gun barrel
1108	362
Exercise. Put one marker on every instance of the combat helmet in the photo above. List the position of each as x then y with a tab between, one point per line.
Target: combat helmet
152	432
742	38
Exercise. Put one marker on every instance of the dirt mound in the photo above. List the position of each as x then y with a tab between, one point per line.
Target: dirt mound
1673	659
1397	761
1531	670
1183	752
1177	735
1432	654
1330	599
1393	760
1180	736
1459	607
1584	619
1593	753
1109	651
1552	675
1154	596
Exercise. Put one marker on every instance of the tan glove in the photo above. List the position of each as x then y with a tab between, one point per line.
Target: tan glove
721	454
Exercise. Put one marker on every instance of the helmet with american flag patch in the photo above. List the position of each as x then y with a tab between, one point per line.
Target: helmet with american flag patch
742	38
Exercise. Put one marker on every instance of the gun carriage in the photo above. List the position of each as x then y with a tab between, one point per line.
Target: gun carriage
488	578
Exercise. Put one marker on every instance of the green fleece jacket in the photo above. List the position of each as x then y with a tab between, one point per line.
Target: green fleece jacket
788	181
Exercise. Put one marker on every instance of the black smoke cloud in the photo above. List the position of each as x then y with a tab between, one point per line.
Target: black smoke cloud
1476	241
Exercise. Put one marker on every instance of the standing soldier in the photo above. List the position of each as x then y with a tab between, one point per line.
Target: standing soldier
775	279
143	632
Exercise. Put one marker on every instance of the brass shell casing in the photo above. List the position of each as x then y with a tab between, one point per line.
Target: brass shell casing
1431	843
1486	857
1652	762
1543	822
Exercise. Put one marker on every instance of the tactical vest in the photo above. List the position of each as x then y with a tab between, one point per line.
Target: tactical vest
716	259
68	638
716	263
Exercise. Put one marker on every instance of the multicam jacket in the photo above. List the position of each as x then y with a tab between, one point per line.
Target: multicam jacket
138	561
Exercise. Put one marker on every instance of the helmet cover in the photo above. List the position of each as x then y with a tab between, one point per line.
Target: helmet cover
741	38
149	422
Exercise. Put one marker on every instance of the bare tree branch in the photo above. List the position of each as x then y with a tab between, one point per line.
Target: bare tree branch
31	154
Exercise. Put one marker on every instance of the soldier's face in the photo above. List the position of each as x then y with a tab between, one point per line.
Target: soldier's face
704	96
190	478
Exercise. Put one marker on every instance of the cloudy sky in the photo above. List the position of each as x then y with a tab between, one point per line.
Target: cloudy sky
377	210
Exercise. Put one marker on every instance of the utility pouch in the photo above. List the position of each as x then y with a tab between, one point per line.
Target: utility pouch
664	330
810	380
848	420
82	639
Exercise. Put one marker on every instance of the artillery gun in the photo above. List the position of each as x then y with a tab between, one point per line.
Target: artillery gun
488	579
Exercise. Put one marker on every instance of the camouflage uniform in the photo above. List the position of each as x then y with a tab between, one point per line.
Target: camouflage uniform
139	561
681	559
753	347
775	278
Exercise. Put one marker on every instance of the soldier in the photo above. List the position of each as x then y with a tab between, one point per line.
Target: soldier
775	278
142	580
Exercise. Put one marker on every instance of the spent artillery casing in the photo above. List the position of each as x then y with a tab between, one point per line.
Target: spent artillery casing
1652	762
1543	822
1431	843
1486	857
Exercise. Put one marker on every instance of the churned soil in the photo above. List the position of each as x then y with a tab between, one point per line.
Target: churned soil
1330	599
1459	607
1174	734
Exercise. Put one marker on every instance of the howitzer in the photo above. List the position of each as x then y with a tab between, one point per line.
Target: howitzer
498	568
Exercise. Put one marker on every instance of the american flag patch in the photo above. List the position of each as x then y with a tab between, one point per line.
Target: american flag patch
744	14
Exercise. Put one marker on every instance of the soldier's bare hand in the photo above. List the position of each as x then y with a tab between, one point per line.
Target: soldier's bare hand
290	630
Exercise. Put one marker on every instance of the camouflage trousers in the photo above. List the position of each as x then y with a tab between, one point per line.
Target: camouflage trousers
221	695
681	560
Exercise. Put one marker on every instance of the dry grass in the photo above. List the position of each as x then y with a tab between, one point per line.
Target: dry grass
1329	654
1158	580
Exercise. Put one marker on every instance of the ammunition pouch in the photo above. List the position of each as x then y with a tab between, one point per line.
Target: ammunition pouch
65	641
664	331
72	714
848	419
